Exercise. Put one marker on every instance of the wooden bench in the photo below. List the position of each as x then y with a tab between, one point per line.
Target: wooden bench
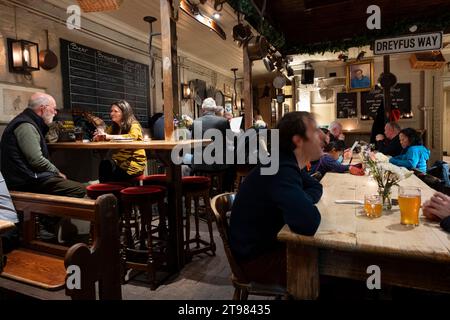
41	264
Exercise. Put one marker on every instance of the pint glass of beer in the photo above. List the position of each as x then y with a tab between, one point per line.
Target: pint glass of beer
409	200
372	205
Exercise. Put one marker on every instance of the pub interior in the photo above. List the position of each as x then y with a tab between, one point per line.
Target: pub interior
224	149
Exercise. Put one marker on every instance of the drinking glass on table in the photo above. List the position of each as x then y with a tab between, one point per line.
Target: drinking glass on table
409	201
373	205
99	134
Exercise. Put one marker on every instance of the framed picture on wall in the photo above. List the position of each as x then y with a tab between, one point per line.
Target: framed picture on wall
360	76
14	99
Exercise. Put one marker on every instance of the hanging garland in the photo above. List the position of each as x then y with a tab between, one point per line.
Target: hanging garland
277	39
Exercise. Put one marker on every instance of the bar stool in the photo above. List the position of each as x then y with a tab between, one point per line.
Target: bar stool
193	188
151	254
94	191
216	177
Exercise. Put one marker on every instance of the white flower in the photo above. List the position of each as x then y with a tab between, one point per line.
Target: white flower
380	157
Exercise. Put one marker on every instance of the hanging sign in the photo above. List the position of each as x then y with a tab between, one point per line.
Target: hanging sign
409	43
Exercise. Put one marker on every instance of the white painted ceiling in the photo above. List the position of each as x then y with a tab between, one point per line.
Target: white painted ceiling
194	40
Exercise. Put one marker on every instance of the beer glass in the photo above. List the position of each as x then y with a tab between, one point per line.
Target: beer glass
409	200
373	205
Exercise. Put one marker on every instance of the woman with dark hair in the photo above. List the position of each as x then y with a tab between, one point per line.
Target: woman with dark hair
125	163
414	154
329	160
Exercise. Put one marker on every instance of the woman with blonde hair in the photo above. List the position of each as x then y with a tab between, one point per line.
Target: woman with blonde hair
125	163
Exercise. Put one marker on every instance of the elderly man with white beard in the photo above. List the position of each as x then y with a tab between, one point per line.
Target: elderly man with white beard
25	160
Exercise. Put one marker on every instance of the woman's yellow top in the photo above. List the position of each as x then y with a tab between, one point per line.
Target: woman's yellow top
129	160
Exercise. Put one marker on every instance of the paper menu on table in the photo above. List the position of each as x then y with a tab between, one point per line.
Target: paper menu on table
235	124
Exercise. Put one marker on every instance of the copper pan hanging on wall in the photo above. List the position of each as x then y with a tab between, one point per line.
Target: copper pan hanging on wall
257	48
47	58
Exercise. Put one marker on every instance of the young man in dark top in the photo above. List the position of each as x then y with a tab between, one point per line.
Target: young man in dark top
266	202
389	143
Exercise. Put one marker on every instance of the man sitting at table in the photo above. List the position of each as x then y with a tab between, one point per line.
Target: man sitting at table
25	160
24	154
265	203
389	143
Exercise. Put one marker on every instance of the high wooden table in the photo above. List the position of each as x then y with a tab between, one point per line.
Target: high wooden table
347	243
163	149
4	227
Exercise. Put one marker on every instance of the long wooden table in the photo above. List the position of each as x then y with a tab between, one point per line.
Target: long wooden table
347	243
163	149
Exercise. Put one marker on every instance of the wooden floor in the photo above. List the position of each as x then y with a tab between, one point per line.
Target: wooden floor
208	278
204	278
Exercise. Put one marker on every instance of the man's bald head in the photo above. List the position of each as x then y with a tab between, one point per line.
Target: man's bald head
44	105
39	99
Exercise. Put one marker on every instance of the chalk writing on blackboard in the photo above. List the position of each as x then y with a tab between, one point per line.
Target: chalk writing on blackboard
93	80
372	100
346	105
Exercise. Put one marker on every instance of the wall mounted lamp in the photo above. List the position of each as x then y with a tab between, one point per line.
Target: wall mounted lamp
186	92
23	56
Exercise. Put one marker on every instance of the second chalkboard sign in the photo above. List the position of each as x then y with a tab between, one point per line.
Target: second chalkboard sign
346	105
372	100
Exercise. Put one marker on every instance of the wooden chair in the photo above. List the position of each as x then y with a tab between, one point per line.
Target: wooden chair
221	206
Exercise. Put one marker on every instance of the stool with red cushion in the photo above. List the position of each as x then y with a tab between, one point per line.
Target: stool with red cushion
155	179
217	179
136	181
149	252
194	188
96	190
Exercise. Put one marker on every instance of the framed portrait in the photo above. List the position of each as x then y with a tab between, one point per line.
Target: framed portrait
14	99
228	105
360	76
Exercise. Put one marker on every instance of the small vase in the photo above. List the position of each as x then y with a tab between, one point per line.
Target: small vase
386	195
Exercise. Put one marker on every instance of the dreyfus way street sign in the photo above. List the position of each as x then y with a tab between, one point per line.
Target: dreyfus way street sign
409	43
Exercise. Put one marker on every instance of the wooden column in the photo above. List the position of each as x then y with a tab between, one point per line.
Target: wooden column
170	67
248	91
387	89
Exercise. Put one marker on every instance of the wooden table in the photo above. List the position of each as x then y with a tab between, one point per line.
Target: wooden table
163	149
347	243
4	227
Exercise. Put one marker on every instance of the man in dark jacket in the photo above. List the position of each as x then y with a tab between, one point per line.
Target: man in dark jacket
265	203
389	143
25	160
208	121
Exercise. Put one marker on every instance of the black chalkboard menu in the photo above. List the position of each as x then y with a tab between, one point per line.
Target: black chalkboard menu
346	105
401	99
93	80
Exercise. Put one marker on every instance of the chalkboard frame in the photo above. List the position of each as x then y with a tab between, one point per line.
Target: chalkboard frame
354	98
65	72
367	115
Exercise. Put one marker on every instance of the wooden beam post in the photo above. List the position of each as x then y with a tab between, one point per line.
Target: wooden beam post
248	90
170	67
387	89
